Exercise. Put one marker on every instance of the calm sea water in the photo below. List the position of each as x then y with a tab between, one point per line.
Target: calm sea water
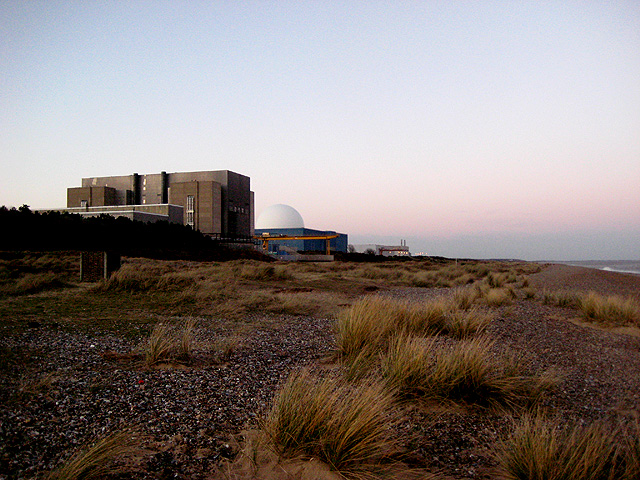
623	266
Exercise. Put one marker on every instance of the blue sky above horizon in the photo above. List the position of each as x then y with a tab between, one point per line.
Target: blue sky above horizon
472	129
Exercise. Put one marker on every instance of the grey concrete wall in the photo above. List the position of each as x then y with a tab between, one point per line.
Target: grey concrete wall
225	197
120	183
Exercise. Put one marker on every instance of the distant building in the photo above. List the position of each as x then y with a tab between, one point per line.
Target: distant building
218	203
385	250
286	221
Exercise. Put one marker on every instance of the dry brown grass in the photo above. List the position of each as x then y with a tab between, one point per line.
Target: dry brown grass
497	297
30	386
607	310
366	327
540	449
99	459
347	427
610	310
465	373
561	299
168	344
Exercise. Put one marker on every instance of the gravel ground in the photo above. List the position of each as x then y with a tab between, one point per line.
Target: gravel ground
190	414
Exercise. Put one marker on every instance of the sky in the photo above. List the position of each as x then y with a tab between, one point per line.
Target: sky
487	129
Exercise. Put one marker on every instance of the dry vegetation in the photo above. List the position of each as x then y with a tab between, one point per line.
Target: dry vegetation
101	458
540	449
348	427
608	310
394	360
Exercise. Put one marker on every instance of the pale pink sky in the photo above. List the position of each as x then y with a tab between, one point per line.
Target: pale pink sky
487	129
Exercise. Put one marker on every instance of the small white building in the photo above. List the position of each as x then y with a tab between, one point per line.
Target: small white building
385	250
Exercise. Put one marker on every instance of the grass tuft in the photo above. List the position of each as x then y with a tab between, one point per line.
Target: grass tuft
499	296
166	344
538	449
346	427
610	310
99	460
366	327
561	299
465	373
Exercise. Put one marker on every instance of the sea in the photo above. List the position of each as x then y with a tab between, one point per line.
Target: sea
622	266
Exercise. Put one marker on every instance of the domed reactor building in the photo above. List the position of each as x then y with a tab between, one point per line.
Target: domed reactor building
285	221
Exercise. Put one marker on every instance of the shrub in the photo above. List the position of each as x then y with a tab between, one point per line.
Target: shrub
346	427
611	310
540	450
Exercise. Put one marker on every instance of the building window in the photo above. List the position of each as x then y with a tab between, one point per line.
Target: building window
191	208
84	203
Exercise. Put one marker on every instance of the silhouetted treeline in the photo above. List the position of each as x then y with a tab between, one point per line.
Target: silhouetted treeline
23	230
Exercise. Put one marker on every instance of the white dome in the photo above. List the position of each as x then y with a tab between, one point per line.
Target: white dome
279	216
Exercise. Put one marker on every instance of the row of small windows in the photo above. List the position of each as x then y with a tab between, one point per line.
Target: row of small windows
239	209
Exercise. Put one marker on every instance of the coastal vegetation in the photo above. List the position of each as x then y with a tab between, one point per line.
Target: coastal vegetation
607	310
375	369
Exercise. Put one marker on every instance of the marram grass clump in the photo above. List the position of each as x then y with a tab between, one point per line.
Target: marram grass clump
166	344
417	368
348	427
366	327
100	458
540	448
610	310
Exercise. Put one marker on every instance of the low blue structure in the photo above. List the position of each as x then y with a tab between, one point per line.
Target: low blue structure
280	220
338	244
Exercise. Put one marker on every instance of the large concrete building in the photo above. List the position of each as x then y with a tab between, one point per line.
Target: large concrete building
218	203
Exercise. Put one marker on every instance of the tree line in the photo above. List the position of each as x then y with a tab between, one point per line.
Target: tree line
25	230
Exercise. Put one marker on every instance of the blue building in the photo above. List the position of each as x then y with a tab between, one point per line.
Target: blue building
286	221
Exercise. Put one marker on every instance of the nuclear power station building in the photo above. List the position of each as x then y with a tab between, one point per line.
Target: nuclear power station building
219	203
285	221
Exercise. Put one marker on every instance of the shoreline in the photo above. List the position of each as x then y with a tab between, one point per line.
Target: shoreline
631	267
